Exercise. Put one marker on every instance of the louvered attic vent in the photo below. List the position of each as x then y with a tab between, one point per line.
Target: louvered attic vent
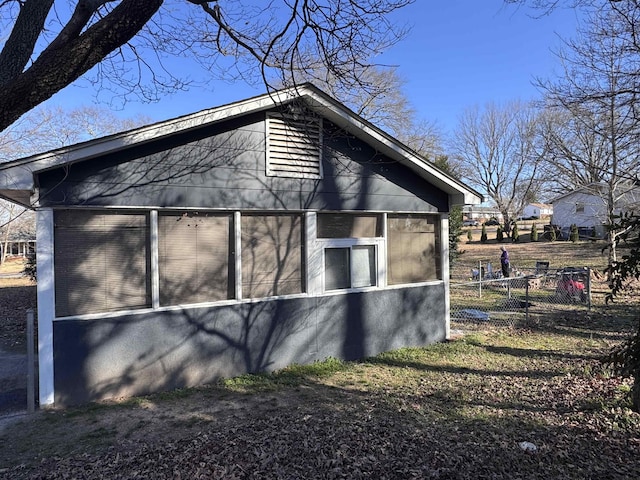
294	145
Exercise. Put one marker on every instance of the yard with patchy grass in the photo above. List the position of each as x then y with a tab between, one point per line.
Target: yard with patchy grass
499	403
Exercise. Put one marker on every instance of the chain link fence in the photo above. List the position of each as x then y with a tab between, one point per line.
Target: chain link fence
528	296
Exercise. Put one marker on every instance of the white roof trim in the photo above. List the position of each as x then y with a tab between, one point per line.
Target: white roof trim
18	174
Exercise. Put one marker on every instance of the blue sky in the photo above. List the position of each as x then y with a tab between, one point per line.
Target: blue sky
464	52
459	53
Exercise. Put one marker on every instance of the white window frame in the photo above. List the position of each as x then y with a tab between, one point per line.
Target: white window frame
380	259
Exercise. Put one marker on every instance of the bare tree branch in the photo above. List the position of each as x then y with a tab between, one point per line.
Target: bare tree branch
129	41
46	75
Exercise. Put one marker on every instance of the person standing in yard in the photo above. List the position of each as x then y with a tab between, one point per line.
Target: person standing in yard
504	261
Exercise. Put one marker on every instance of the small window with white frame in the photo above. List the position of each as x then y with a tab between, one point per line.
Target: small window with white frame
352	246
347	267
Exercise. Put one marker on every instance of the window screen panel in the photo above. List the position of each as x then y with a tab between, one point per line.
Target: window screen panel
337	268
193	258
101	262
413	249
271	255
363	266
346	225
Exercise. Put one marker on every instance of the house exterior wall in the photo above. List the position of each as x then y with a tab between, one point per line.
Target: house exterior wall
139	354
224	167
533	210
97	356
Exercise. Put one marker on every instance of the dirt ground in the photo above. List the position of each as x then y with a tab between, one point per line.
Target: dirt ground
453	413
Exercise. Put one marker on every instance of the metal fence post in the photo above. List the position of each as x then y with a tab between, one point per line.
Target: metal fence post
526	299
480	278
31	398
589	288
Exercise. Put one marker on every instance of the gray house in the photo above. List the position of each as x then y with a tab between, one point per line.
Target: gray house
276	230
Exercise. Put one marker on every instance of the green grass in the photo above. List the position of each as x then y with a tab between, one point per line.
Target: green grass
292	375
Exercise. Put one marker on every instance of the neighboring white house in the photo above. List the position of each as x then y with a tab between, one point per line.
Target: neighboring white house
586	207
18	246
538	210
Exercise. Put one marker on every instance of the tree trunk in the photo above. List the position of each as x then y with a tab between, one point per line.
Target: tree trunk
65	60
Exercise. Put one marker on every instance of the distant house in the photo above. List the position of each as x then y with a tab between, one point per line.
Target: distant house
586	207
538	210
18	246
275	230
480	213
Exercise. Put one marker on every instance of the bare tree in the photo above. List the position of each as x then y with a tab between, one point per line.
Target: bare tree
385	105
124	44
597	96
48	128
545	7
498	152
576	154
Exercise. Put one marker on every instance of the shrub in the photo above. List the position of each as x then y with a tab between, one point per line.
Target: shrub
534	232
625	357
469	236
515	234
483	235
30	268
552	235
499	234
573	233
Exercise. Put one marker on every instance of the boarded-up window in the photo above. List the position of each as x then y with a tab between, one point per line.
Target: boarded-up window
413	247
346	225
193	258
294	145
271	255
101	261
